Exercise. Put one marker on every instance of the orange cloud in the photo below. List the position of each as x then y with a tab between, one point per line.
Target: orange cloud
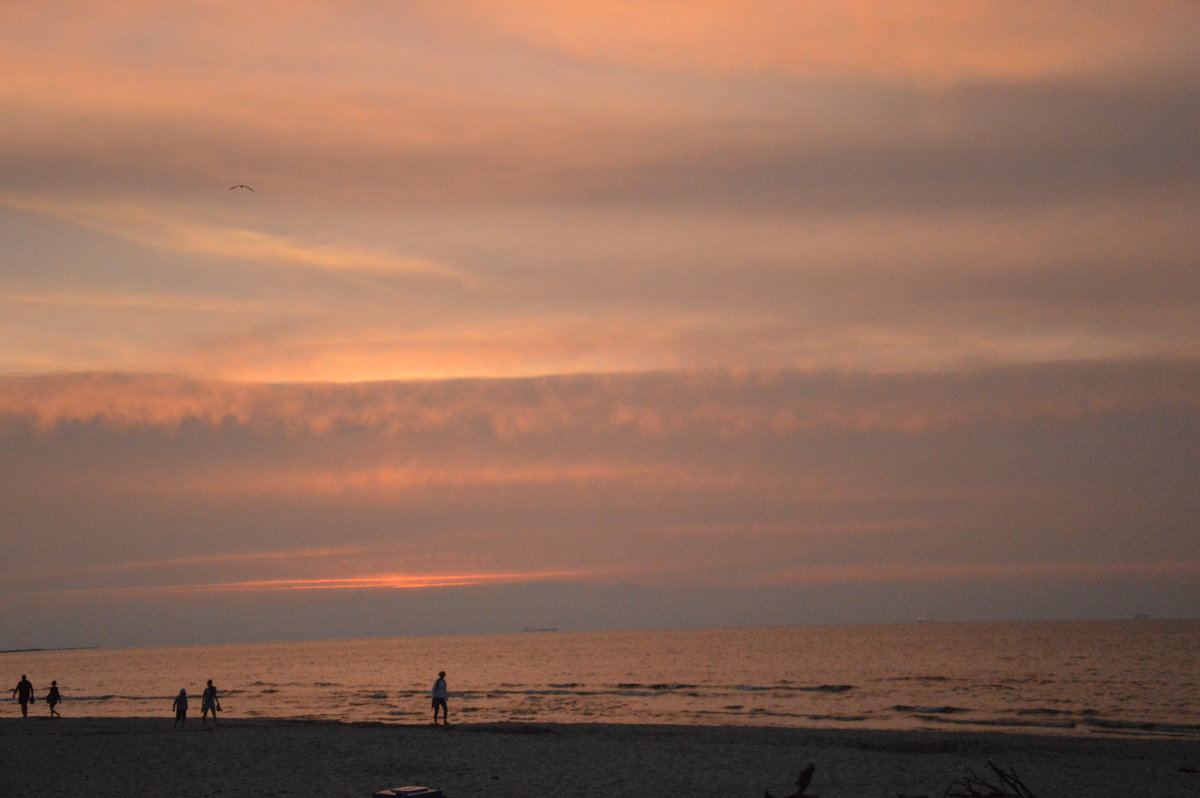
922	40
162	231
658	405
370	582
227	558
1064	572
392	483
390	581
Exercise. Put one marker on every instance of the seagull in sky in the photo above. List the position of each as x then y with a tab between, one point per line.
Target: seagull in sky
241	185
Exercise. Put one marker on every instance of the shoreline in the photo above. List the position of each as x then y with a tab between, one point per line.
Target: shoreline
262	756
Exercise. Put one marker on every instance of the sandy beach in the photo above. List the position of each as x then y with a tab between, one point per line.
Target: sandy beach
145	757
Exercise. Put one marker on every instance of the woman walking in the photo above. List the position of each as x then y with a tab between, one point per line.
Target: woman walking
53	698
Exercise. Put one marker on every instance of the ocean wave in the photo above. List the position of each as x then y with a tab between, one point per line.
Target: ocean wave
1152	727
820	688
624	689
759	712
137	698
578	692
930	710
1042	718
1013	723
642	689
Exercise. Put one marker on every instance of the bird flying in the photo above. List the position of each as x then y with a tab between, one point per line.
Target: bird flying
241	185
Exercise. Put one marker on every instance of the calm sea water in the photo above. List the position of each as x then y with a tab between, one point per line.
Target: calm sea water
1088	678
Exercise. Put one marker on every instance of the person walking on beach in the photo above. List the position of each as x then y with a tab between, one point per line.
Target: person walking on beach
440	694
23	692
180	707
52	698
209	702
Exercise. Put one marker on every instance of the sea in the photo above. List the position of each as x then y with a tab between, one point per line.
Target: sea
1097	678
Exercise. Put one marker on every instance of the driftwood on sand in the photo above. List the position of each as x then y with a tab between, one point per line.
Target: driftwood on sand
968	786
801	784
972	786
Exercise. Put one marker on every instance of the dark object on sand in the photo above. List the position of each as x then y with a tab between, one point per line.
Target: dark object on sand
411	791
975	787
241	185
972	786
801	783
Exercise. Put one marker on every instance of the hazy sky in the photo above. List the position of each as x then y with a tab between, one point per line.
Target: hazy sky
594	314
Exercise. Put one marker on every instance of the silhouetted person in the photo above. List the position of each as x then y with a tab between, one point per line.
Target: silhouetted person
440	694
52	698
180	707
209	702
23	692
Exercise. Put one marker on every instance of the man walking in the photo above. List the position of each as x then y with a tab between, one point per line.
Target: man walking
23	692
440	694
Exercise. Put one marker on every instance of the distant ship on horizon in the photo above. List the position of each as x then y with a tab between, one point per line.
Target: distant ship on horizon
540	629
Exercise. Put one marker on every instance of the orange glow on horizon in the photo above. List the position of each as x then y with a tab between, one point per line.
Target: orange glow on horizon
394	581
386	581
859	573
391	482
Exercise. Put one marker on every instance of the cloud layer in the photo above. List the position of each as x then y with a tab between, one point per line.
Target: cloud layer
479	191
653	314
759	482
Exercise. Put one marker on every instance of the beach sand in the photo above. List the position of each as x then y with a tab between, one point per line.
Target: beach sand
145	757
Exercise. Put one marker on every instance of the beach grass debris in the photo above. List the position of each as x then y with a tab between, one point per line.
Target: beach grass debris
974	786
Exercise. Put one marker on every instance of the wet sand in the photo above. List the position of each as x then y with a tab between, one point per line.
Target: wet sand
146	757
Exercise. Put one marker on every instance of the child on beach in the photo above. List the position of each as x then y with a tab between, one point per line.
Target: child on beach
180	705
52	698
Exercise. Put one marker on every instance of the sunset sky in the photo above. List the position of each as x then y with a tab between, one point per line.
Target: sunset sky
594	315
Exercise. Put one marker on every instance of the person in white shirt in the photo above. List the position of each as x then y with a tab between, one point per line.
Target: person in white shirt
440	694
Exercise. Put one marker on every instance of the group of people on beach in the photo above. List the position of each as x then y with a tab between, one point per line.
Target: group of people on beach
209	701
23	692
